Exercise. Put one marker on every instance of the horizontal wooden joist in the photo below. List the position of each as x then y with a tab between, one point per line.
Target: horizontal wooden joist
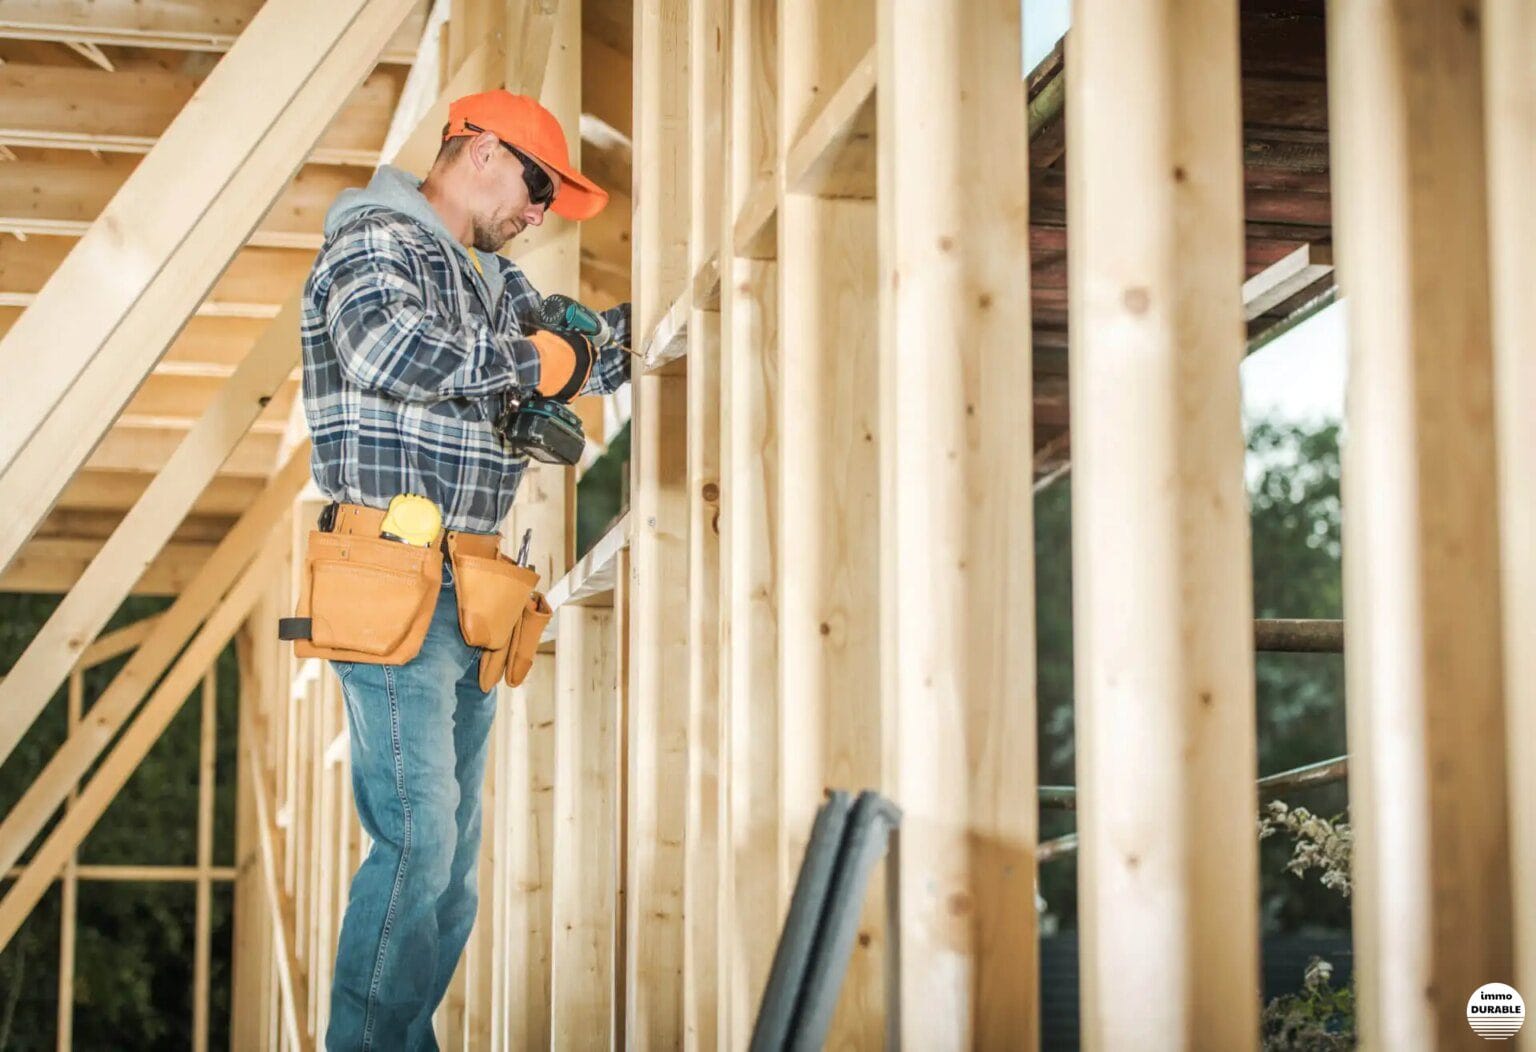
148	448
253	285
208	25
61	192
92	490
204	341
170	395
77	524
83	108
54	564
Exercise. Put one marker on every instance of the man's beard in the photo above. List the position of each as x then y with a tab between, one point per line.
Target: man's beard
487	236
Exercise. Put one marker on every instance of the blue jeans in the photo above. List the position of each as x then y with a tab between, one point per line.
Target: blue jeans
419	734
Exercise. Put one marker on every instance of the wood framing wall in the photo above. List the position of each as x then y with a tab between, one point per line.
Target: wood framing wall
825	574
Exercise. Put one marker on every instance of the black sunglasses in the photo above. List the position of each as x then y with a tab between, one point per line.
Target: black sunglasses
541	188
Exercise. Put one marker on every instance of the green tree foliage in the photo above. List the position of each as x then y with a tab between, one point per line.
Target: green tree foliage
1294	499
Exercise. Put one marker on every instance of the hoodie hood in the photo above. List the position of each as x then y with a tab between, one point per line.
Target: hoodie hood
400	191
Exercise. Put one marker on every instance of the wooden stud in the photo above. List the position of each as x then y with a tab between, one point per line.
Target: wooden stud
754	894
290	1004
702	871
658	713
827	421
1509	32
702	865
546	504
530	787
1426	703
623	579
584	890
247	960
202	924
1163	603
660	271
483	946
69	908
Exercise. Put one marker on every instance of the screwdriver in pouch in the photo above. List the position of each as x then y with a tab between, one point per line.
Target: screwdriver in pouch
522	553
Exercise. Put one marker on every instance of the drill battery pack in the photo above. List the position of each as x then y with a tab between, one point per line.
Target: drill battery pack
545	430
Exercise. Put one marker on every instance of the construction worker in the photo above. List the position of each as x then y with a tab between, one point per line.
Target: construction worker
414	334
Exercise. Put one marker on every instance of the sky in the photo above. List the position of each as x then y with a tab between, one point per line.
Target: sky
1299	377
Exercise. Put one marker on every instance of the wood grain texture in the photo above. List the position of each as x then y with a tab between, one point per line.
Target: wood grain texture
1425	686
1509	43
585	890
1162	602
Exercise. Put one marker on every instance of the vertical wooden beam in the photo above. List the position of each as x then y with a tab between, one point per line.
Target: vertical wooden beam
498	831
546	504
1162	599
658	712
753	895
528	30
702	870
530	821
757	893
586	796
69	908
657	758
701	889
660	269
1509	41
248	964
827	421
202	933
333	803
956	518
1432	901
483	947
621	618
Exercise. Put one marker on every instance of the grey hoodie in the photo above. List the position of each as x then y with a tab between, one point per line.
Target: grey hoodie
400	191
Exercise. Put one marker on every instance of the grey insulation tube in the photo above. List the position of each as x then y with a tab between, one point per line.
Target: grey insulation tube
775	1016
864	844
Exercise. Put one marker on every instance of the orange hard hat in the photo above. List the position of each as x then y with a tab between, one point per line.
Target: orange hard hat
521	121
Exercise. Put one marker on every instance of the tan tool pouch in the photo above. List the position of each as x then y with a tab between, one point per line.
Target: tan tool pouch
369	600
525	640
492	589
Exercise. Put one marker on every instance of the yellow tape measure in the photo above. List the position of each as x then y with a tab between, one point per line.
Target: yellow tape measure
411	519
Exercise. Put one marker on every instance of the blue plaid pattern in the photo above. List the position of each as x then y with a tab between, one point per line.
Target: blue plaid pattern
405	365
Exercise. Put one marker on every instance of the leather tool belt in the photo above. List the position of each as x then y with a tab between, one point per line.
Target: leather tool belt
365	598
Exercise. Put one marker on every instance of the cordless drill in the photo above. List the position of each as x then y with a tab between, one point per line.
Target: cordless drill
543	428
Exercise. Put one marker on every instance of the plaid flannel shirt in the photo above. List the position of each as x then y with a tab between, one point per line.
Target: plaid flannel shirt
405	365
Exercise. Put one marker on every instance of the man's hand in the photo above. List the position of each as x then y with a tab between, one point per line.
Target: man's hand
565	362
